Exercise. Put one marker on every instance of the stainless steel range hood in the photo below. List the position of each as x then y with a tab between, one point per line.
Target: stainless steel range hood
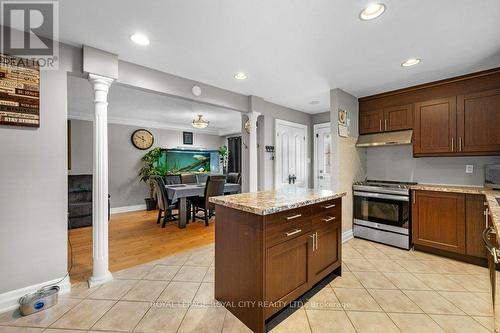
385	139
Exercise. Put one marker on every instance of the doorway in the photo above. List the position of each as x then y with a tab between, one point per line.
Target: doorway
322	156
291	155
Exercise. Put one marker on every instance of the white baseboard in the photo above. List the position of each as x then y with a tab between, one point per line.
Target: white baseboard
126	209
10	300
347	235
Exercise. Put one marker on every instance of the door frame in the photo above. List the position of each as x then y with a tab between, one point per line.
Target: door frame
293	124
315	151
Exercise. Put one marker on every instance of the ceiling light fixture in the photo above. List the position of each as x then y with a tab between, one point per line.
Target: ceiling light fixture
140	39
240	76
410	62
372	11
200	122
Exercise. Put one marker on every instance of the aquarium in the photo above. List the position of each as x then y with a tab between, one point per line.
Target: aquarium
188	161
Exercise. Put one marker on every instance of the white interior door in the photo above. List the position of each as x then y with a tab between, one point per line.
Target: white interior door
322	157
291	154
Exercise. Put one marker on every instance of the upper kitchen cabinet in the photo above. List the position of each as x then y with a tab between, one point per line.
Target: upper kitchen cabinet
478	123
435	127
458	116
393	118
398	118
371	121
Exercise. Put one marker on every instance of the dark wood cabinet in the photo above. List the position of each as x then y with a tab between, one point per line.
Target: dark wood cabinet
435	126
371	121
325	256
458	116
438	220
478	122
475	223
287	271
398	118
264	262
392	118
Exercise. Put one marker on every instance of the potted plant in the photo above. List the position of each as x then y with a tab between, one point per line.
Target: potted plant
223	157
151	167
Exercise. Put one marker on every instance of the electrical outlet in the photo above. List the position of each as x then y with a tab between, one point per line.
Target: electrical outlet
469	168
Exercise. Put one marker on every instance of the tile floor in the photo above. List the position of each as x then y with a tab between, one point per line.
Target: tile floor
382	289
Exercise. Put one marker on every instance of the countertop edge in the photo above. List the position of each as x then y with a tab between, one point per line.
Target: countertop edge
273	210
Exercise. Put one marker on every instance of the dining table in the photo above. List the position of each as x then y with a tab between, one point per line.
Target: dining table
180	192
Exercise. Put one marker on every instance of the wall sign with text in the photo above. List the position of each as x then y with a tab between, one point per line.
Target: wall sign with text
19	92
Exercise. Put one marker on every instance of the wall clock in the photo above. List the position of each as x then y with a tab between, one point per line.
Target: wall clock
142	139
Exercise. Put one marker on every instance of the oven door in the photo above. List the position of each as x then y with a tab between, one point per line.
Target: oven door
382	211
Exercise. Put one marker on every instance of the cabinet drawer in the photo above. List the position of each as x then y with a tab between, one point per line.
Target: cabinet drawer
287	225
330	208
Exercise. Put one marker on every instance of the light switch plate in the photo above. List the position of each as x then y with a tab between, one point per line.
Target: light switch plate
469	168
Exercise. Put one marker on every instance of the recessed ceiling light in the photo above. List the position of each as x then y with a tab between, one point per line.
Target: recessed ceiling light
410	62
372	11
140	39
314	102
240	76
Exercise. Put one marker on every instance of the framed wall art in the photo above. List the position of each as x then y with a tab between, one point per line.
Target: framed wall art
19	92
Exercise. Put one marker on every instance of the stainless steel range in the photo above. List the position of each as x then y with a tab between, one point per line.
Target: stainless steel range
381	211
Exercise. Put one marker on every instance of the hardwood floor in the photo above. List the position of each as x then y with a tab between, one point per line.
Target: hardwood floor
135	238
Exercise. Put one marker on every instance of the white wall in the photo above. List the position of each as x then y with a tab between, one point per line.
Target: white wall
33	187
397	163
124	159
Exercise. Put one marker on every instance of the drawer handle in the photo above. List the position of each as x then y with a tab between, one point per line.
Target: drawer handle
329	219
291	233
329	206
293	217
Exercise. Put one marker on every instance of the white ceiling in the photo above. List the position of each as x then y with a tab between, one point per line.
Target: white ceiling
135	107
294	51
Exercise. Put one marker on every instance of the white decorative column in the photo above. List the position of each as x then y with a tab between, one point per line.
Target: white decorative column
100	270
252	151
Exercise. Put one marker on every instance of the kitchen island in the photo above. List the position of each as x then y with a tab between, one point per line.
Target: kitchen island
272	247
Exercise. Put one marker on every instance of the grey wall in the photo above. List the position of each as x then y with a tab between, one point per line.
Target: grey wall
397	163
124	159
319	118
265	136
33	187
349	162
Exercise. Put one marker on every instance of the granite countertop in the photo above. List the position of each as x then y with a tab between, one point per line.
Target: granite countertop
490	194
269	202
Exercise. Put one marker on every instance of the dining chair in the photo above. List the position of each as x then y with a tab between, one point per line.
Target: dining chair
233	178
164	204
213	188
201	178
188	178
172	179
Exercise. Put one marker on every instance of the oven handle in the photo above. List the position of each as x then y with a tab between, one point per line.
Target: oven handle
381	196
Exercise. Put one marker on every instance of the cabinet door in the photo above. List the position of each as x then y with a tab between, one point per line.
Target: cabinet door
439	220
371	121
435	126
398	118
475	223
325	257
478	122
287	273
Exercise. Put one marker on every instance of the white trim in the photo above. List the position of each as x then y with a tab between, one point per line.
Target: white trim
316	127
308	165
347	235
10	300
125	209
154	124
